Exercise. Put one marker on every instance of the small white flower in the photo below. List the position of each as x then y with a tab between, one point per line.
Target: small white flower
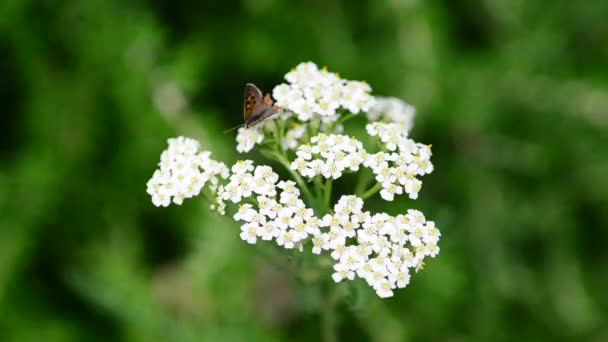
249	232
389	191
247	138
289	187
242	166
268	231
383	288
342	272
281	94
412	187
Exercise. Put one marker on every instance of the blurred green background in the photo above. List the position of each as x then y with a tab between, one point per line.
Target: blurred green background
513	95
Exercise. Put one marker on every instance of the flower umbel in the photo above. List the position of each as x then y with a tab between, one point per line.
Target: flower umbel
183	172
307	139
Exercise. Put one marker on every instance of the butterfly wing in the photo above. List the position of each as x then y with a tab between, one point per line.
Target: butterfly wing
253	97
266	112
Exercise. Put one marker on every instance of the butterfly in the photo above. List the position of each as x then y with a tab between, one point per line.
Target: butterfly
256	108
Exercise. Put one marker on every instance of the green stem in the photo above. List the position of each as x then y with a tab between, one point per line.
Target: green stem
277	135
275	259
345	118
372	191
363	179
328	317
328	185
318	185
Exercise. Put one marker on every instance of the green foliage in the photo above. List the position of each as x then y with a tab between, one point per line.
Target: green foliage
513	95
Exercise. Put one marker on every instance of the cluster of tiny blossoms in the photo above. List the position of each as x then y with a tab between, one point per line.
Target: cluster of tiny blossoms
276	211
331	155
183	172
337	153
247	138
392	110
379	248
405	159
312	92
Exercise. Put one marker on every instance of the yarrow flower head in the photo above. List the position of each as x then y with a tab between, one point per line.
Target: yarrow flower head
329	156
379	248
397	169
183	171
307	137
312	92
392	109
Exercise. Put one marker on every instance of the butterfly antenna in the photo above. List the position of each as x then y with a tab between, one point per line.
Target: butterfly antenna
233	128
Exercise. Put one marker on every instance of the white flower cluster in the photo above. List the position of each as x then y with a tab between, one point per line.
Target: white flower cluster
337	153
397	169
184	171
286	220
247	138
312	92
378	248
331	155
392	109
245	180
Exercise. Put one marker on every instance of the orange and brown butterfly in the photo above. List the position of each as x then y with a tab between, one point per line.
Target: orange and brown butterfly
257	108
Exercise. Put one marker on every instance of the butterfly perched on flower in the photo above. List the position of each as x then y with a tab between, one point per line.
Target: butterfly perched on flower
256	107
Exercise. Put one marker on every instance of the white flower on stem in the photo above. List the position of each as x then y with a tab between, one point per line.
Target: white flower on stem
289	187
431	233
342	272
282	94
356	97
348	204
247	138
312	92
431	250
412	187
245	213
242	166
249	232
397	170
183	172
383	288
317	244
328	156
268	231
388	192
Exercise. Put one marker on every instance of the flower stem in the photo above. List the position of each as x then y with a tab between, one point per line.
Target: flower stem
327	201
345	118
318	185
328	318
363	180
372	191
